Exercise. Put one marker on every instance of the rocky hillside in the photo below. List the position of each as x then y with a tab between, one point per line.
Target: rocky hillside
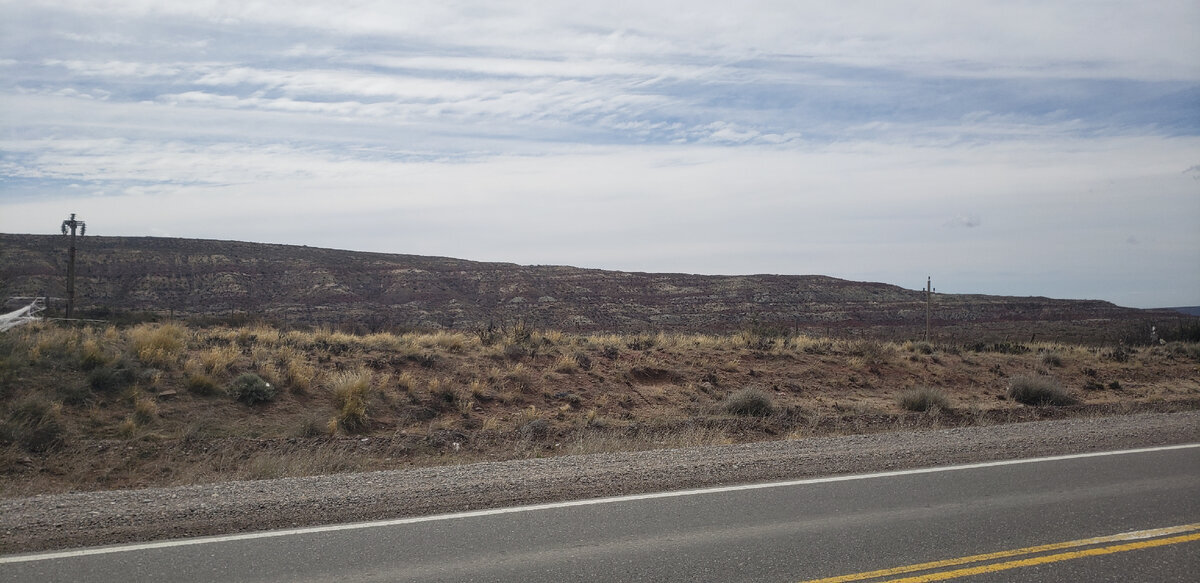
303	285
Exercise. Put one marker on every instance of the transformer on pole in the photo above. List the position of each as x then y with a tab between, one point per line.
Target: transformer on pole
71	224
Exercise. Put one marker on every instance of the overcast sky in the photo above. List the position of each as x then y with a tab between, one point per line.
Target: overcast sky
1008	147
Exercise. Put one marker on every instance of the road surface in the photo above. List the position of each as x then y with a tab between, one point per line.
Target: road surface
1115	516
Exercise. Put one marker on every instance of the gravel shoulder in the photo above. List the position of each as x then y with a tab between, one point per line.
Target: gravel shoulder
95	518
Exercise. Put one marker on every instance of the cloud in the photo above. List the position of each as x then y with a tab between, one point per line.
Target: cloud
968	221
802	137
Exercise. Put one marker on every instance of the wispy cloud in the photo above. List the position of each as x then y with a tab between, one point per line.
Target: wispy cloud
967	221
797	137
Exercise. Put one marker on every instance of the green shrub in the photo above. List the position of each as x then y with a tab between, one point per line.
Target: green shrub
750	403
923	399
35	423
74	394
1038	391
251	389
112	377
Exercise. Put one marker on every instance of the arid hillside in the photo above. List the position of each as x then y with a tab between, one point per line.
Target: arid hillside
96	406
291	285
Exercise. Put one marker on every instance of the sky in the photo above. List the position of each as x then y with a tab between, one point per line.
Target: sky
1046	148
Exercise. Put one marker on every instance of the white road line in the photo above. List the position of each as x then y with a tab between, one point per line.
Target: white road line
553	505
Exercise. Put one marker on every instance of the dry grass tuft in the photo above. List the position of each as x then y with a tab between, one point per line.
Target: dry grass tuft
298	374
924	399
520	376
93	355
351	392
201	384
566	365
157	345
145	410
216	360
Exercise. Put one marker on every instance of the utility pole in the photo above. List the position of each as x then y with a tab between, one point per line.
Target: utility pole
928	305
72	224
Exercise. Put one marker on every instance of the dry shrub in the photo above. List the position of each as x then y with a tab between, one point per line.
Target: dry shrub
1039	391
923	399
34	423
127	428
112	377
351	392
749	402
311	426
1052	359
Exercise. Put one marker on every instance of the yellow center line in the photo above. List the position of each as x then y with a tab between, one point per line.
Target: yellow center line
942	576
1125	536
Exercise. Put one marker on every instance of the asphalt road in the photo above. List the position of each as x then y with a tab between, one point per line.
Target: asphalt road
783	532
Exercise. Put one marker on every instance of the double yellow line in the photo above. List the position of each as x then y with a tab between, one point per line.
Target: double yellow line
1127	541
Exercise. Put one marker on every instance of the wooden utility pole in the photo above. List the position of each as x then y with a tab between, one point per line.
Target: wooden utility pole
928	305
71	224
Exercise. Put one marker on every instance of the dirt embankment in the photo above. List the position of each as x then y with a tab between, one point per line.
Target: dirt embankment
91	518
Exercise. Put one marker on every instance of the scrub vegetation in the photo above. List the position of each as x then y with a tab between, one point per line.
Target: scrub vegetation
88	407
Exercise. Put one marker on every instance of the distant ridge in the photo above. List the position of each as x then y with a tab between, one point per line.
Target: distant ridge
1189	310
311	286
